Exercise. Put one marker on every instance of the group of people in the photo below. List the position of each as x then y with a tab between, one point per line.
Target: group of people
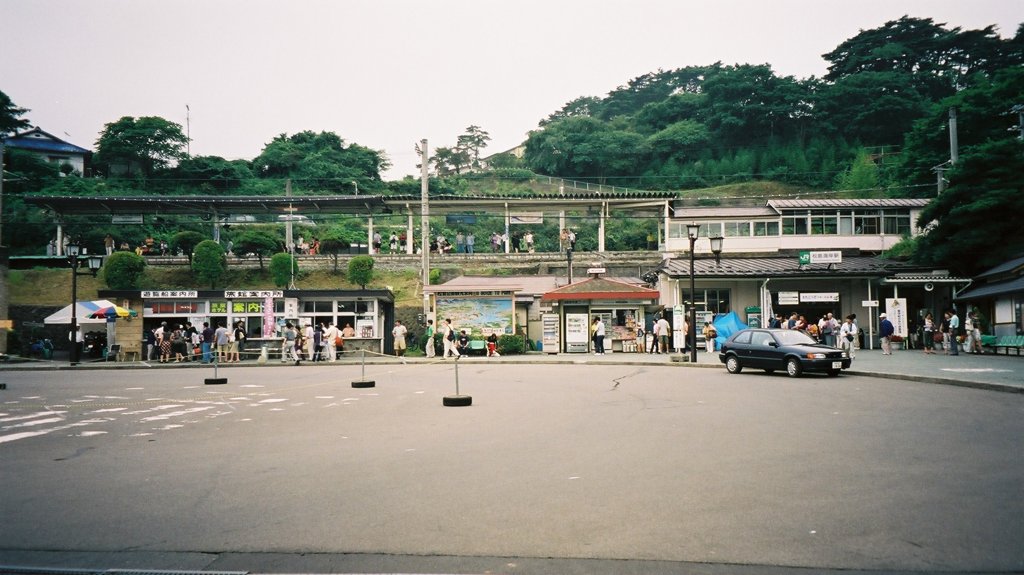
827	330
948	334
455	343
184	342
322	342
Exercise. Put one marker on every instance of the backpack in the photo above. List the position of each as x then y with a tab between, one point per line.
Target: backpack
451	334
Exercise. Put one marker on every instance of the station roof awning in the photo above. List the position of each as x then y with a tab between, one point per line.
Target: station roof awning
204	205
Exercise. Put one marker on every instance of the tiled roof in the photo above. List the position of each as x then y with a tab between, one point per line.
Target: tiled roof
602	288
781	267
994	289
1004	268
852	203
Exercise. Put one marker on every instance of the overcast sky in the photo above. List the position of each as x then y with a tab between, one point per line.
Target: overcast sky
387	73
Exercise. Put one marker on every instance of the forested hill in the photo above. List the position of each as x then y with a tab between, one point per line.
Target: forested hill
877	119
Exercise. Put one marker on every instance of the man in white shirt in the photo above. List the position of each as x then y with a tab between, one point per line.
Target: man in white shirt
662	330
329	337
399	332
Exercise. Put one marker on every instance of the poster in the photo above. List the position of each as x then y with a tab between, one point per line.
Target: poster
896	312
479	316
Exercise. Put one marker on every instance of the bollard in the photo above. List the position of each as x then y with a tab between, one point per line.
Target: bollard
215	380
362	383
457	400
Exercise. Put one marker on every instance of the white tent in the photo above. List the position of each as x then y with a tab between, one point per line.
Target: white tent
82	312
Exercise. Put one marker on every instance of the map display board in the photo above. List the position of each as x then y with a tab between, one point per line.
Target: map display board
479	316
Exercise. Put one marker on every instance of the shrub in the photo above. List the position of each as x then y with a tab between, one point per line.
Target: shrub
123	270
283	267
360	270
209	263
511	345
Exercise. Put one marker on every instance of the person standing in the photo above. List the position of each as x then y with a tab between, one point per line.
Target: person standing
330	342
287	341
929	334
399	332
954	331
431	352
206	343
847	336
710	333
108	244
662	330
239	343
220	337
470	242
376	243
528	238
640	338
460	243
975	332
827	327
885	331
309	340
599	336
448	332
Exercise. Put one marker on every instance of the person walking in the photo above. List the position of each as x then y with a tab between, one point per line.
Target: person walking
431	352
847	337
975	333
399	332
287	342
449	339
885	331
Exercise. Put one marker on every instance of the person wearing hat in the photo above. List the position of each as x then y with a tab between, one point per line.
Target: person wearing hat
885	330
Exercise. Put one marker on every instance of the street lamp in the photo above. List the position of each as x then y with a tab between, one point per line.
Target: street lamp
693	231
94	262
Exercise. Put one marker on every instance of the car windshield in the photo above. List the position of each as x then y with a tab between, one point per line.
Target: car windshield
793	337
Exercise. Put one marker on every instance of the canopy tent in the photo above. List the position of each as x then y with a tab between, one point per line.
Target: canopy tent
82	312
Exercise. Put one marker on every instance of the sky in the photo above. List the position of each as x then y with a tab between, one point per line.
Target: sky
386	74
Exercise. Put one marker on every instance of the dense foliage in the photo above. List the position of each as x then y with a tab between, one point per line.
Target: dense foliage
123	270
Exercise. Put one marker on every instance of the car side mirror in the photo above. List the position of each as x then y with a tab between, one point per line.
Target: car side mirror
773	344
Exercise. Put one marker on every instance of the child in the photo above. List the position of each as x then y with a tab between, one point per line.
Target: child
492	345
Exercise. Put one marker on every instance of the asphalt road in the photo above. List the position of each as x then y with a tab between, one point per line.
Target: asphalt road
553	469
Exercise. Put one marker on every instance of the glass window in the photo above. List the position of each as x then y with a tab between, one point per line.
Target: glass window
737	229
824	224
846	225
743	337
865	222
710	230
713	300
345	306
896	224
766	229
794	226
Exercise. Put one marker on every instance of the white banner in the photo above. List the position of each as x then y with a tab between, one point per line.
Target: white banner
896	312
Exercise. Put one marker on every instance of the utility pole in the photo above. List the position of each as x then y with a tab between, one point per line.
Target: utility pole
188	131
954	151
425	223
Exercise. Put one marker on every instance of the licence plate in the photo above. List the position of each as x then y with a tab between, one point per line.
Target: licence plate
837	365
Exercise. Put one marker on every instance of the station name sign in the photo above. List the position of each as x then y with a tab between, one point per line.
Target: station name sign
833	257
169	294
256	294
230	294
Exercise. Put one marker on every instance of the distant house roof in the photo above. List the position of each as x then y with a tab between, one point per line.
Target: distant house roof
602	288
1004	268
773	208
37	140
993	289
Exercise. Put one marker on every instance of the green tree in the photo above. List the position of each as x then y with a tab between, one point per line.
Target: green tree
145	144
970	230
360	270
209	264
321	161
123	270
186	242
256	241
333	242
10	116
283	268
210	173
474	140
862	174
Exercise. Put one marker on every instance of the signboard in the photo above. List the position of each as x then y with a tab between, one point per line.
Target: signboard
678	319
809	257
789	298
291	308
526	218
126	219
896	312
593	271
156	294
811	297
869	303
254	294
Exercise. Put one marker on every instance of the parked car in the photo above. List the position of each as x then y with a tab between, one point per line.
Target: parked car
772	349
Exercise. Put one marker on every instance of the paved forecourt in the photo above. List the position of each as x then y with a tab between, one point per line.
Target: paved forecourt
655	465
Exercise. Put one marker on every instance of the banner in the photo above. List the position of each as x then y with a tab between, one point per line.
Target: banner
896	312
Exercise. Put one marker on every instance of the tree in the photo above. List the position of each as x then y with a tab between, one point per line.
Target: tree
321	161
333	242
862	175
472	142
256	241
283	268
186	242
209	263
10	120
360	270
146	144
123	270
211	173
971	230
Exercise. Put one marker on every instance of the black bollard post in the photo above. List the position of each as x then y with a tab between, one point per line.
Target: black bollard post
360	383
457	400
215	380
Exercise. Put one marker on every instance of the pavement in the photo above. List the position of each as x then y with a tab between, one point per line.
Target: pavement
995	372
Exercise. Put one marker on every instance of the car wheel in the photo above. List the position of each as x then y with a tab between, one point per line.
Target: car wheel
793	367
732	364
833	372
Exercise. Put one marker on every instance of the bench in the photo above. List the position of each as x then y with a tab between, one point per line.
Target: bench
1014	342
477	346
